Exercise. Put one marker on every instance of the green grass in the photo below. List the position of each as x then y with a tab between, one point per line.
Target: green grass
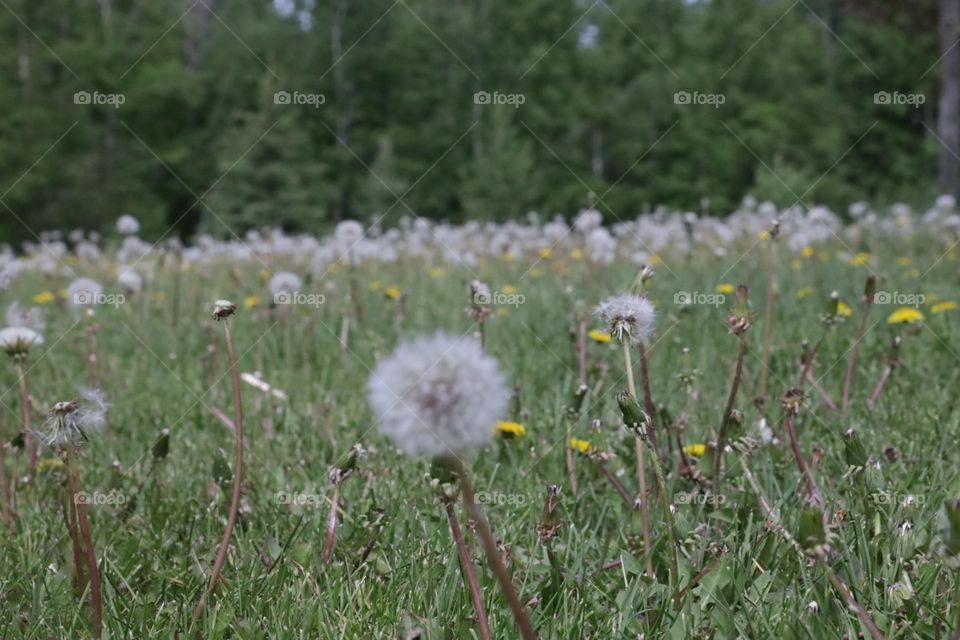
164	366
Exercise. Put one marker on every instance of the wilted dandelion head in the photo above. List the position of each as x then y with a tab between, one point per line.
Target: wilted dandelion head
438	394
223	309
630	317
127	225
71	421
284	282
84	292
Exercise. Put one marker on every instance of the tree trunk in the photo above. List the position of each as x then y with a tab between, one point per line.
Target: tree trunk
198	20
948	117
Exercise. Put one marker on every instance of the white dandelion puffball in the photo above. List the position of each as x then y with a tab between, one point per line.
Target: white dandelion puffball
18	340
130	280
31	318
74	420
284	282
437	395
84	292
349	232
127	225
629	317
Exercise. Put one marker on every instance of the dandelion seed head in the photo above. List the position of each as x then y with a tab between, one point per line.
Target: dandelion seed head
73	421
16	341
284	282
438	394
84	292
31	318
630	317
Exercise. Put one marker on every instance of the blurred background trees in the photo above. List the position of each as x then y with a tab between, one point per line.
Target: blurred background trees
386	100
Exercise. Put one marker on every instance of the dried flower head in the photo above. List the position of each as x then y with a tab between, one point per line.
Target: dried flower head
438	394
223	309
630	317
16	341
71	421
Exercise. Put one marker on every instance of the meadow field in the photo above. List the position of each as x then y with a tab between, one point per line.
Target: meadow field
770	503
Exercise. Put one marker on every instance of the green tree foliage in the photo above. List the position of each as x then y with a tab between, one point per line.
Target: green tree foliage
199	142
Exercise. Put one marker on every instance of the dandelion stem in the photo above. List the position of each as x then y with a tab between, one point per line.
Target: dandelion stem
469	574
26	415
648	405
237	480
582	353
493	555
4	489
616	484
852	361
767	319
332	524
727	413
881	384
812	493
641	500
73	479
344	339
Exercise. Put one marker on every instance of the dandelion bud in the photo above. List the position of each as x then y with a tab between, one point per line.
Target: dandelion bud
634	417
741	317
576	401
833	304
347	463
162	446
870	288
854	451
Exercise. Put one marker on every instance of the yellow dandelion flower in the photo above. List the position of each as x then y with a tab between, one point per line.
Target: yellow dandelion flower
655	260
508	257
438	272
807	252
905	314
502	312
725	288
507	429
843	309
508	289
913	273
804	292
576	254
599	336
795	264
696	450
861	259
931	298
546	253
44	297
904	261
335	267
264	275
764	235
392	292
62	294
579	445
536	272
251	301
49	464
943	307
376	285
